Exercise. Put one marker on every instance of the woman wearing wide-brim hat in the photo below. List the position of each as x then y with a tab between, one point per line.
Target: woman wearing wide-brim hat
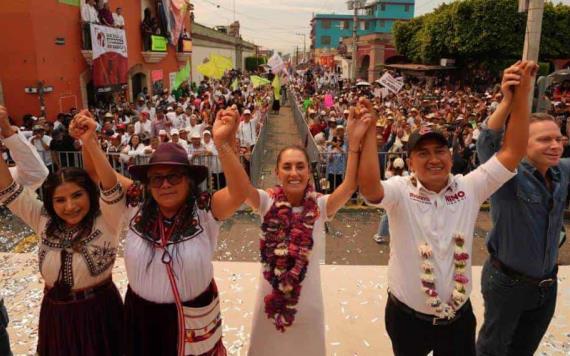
172	305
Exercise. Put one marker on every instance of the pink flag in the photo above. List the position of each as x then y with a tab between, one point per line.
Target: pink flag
329	101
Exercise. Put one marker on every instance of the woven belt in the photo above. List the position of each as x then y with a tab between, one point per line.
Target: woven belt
432	319
83	294
537	282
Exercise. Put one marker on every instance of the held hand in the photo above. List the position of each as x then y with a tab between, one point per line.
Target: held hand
511	79
83	127
357	126
225	126
528	69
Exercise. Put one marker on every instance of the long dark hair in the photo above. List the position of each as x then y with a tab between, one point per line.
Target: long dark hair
79	177
150	211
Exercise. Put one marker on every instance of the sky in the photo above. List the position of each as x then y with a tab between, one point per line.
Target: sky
281	24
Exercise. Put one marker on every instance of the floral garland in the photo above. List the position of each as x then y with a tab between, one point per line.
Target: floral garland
285	249
459	294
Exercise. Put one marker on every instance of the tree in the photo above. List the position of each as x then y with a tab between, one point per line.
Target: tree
486	33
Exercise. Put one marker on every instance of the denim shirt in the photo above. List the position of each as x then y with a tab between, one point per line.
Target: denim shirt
527	216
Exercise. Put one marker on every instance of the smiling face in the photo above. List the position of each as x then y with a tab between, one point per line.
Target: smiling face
293	171
71	203
431	163
544	144
174	190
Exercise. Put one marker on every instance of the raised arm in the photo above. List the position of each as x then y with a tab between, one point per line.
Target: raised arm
368	169
489	141
30	170
83	127
357	128
90	167
226	201
516	136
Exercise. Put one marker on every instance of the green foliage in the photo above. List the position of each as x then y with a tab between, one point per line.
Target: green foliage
251	63
481	33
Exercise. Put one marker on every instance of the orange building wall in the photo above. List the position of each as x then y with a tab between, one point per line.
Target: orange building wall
28	53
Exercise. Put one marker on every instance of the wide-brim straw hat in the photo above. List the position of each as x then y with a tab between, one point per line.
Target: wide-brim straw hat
169	154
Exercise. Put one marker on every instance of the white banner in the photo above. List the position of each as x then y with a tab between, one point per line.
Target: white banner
388	82
276	63
108	39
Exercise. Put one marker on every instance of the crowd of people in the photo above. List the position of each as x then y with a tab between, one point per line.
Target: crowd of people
432	203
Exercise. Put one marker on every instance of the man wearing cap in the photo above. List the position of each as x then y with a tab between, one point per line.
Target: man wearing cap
247	130
143	125
175	137
41	142
432	217
519	280
195	149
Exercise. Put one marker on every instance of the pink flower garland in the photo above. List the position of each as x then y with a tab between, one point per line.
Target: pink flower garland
285	249
459	294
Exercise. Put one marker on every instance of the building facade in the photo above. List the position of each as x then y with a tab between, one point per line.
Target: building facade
330	33
42	46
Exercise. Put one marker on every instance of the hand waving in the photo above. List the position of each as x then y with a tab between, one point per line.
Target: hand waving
360	121
83	126
511	79
225	126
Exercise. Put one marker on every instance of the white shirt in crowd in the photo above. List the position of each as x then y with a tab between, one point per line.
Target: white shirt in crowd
89	14
247	133
417	216
142	127
118	20
44	154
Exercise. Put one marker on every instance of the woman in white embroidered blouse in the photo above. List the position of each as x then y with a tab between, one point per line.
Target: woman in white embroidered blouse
172	306
81	312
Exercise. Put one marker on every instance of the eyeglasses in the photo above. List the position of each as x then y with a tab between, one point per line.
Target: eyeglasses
173	179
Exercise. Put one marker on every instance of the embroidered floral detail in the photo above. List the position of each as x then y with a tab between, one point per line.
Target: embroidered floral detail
459	294
99	258
10	194
187	223
285	249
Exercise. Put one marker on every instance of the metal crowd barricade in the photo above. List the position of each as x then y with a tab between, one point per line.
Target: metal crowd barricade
257	156
308	140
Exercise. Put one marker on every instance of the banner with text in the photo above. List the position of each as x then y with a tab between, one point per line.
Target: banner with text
390	83
110	58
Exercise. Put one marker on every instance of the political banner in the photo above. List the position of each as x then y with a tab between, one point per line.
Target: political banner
110	63
158	43
388	82
276	63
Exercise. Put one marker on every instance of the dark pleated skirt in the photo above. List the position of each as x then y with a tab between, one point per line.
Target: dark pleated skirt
89	327
152	328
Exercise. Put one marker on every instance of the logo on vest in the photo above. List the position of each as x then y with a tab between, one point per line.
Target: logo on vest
455	198
420	199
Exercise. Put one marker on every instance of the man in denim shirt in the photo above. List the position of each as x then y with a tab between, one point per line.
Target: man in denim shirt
519	280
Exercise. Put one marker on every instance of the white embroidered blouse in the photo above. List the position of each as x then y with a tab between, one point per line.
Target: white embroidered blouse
90	259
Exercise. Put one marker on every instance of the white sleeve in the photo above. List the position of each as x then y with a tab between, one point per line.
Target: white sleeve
113	207
265	203
322	203
488	178
30	170
392	192
24	203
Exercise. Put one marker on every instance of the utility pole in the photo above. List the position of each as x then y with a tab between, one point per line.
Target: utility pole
304	43
354	5
531	49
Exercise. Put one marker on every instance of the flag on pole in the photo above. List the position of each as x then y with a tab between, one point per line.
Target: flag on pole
276	87
182	75
258	81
